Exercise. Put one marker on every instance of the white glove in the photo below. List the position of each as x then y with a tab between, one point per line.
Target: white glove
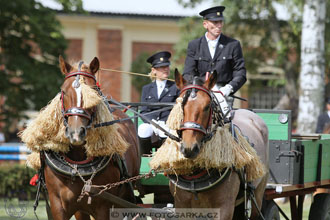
159	132
226	90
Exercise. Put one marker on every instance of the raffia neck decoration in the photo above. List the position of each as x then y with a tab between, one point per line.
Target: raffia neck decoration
47	131
220	152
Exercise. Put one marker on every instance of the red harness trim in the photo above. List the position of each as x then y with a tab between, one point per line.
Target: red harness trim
202	88
195	176
78	162
83	73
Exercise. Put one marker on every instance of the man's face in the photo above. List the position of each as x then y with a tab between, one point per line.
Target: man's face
328	107
213	28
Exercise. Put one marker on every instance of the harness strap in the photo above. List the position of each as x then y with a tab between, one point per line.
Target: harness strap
196	87
195	176
172	136
77	162
42	188
78	111
129	118
190	125
83	73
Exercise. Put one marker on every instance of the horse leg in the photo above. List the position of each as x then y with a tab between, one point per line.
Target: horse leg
181	197
227	193
58	211
81	216
102	213
259	194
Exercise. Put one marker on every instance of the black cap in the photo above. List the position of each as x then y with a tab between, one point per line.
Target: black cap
160	59
213	14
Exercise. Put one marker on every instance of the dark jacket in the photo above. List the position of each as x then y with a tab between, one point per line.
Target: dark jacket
149	94
321	122
228	61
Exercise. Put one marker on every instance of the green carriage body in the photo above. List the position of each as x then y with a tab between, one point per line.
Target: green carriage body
292	160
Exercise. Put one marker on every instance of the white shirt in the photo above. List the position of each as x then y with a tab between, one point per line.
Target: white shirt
160	86
329	113
212	44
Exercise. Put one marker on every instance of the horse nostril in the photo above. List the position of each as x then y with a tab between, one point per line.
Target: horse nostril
82	132
67	133
196	149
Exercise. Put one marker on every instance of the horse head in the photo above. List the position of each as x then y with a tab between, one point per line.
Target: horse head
197	110
77	116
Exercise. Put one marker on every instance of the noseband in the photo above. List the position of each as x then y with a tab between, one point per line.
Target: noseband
76	111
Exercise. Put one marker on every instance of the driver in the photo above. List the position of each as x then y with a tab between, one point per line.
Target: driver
215	51
160	90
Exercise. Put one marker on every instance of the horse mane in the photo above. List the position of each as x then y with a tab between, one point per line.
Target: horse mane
199	81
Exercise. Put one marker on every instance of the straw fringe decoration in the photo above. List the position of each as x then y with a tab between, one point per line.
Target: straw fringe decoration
33	160
220	152
90	96
176	115
47	131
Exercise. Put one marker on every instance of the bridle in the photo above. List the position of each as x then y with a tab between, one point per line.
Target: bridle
215	115
76	111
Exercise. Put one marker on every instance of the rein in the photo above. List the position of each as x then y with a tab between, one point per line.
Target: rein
172	136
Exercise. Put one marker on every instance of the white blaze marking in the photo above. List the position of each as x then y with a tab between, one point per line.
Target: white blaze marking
191	99
78	92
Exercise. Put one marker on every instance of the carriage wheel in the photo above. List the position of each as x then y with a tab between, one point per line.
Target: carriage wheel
320	208
270	211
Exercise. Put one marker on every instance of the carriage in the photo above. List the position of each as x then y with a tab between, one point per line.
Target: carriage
296	166
299	165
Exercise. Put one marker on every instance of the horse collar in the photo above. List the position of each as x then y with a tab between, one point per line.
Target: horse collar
201	180
60	163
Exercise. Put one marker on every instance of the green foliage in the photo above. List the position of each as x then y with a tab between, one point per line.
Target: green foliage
72	5
191	28
30	43
140	65
15	181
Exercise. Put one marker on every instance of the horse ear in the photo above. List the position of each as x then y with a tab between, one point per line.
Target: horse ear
179	80
64	66
94	65
210	82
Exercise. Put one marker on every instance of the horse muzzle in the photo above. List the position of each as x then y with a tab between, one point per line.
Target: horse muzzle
76	136
190	152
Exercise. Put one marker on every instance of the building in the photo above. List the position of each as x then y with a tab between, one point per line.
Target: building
117	39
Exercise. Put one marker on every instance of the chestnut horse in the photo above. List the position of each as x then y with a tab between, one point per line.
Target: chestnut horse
197	110
64	191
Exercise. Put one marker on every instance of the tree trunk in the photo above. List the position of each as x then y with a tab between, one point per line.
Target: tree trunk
312	76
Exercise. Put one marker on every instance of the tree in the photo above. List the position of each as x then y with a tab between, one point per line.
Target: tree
30	43
140	65
312	72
